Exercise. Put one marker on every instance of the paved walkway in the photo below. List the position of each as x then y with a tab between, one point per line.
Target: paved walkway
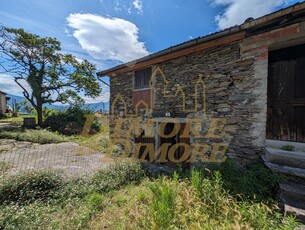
70	158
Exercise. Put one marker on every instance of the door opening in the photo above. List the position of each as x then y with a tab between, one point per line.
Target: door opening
286	94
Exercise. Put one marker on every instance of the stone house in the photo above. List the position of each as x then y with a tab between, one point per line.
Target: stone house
3	102
251	76
240	90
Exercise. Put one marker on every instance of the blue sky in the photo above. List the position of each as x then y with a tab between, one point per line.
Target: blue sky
109	32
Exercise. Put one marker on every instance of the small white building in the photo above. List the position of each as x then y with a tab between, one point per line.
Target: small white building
3	102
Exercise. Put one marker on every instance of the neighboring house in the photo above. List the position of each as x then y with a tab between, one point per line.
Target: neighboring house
3	102
250	77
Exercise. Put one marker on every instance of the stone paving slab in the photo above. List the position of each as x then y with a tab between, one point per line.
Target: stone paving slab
72	159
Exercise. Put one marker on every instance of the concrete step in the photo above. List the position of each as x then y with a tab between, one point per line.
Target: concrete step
291	163
293	198
299	213
298	146
287	170
293	194
286	158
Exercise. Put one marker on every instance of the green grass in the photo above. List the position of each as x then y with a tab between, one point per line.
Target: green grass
162	207
121	197
99	141
15	121
32	135
29	187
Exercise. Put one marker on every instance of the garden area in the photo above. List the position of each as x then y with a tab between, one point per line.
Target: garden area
126	195
85	192
129	196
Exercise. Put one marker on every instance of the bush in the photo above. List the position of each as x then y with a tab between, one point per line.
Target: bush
30	186
117	176
70	122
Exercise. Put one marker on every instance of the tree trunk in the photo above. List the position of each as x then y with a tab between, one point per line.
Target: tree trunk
39	114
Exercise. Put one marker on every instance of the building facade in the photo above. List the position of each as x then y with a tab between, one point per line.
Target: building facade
224	94
3	103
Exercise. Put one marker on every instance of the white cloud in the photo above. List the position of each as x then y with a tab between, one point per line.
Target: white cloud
8	85
237	11
107	38
138	4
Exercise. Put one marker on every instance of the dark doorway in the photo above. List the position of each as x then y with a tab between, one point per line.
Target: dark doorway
178	138
286	94
144	140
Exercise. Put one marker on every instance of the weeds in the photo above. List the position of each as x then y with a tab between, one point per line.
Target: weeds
253	182
29	187
122	198
116	176
32	135
289	148
163	204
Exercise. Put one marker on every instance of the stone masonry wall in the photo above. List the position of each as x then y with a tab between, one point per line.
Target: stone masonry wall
231	92
234	79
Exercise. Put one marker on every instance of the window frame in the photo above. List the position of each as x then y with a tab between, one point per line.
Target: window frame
142	76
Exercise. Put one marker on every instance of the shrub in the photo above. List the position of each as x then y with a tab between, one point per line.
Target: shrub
116	176
30	186
70	122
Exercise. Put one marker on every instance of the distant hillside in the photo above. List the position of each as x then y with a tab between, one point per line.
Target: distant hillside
104	106
92	106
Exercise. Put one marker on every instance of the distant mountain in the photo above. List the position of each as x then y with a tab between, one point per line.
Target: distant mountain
14	97
104	106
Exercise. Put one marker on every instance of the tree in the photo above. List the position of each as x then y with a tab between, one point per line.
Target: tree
44	73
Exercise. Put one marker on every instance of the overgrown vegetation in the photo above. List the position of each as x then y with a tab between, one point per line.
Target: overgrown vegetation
69	122
253	181
40	136
13	121
28	187
121	197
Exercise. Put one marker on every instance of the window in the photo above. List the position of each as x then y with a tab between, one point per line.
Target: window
142	78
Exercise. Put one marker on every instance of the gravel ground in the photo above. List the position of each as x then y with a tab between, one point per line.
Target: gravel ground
72	159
